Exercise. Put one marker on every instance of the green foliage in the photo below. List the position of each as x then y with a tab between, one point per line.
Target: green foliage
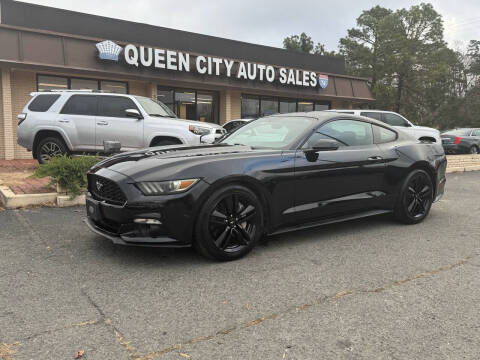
304	43
68	172
410	67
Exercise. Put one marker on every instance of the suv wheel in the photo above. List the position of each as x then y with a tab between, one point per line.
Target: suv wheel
49	147
164	142
474	149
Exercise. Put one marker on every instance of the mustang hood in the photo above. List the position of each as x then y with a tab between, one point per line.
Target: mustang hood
171	162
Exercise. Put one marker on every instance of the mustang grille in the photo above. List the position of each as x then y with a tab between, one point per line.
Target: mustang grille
104	189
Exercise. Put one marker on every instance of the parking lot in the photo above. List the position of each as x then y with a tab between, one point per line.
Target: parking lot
366	289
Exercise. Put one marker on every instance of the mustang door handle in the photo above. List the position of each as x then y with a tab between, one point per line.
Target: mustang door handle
102	123
375	158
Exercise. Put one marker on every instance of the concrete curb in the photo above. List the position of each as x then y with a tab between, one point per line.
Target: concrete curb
10	200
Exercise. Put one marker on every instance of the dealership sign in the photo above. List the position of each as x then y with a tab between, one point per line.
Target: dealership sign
148	57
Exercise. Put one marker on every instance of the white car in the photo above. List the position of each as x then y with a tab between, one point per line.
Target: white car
68	122
235	124
391	118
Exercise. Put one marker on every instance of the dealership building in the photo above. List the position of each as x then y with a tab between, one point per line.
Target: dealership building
199	77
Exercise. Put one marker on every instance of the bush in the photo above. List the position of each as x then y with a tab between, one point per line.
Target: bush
68	172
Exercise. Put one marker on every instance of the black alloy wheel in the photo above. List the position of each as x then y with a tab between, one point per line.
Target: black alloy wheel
474	149
416	198
50	147
230	223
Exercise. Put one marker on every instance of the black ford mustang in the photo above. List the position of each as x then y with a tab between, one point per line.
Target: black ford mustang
275	174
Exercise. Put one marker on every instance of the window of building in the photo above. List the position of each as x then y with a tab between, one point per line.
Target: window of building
304	106
45	83
268	106
117	87
43	102
81	105
50	82
250	106
254	106
190	104
287	106
115	106
205	109
166	96
319	106
82	84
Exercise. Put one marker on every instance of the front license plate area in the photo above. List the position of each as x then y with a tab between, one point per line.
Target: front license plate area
93	210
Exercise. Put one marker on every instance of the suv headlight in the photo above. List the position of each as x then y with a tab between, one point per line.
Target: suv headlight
199	130
153	188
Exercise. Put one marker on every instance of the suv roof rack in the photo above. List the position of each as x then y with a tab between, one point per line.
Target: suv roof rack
79	90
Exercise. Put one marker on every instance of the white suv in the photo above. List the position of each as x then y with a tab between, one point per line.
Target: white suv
64	122
391	118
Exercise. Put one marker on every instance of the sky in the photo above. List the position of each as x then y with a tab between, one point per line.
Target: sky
268	22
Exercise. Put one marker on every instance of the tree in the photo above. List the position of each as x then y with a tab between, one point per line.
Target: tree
302	43
305	44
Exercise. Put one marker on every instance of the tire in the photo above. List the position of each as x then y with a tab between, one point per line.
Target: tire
220	232
416	198
164	142
48	147
473	149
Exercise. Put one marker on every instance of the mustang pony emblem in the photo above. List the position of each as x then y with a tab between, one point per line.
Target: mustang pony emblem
99	185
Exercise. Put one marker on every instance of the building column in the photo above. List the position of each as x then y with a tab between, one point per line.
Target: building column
153	91
8	133
225	107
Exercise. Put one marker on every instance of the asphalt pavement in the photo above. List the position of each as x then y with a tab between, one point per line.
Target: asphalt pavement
366	289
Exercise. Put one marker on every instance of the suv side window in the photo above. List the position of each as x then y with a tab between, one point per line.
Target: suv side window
347	132
394	120
372	115
476	132
383	135
115	106
81	105
43	102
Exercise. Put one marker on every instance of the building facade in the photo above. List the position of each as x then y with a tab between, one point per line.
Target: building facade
199	77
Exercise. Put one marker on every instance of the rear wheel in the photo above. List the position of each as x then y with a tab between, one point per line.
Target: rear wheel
416	198
229	224
49	147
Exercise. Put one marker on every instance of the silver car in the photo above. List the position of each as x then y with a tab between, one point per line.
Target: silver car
68	122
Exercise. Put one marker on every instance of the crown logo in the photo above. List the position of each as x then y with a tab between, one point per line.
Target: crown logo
108	50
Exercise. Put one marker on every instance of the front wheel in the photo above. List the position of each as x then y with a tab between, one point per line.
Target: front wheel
416	198
474	149
230	223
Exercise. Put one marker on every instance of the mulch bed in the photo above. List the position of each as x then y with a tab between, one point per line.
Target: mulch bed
17	175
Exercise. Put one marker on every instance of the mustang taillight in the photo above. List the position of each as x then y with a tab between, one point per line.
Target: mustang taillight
457	140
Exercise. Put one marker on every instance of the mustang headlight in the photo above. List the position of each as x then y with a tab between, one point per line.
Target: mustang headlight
199	130
152	188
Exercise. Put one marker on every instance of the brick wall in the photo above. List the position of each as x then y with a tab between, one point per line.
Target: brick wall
141	88
22	83
236	105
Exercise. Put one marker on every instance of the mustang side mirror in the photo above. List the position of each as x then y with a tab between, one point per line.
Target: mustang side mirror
133	113
323	145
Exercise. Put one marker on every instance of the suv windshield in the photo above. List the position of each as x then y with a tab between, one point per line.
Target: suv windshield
274	132
155	108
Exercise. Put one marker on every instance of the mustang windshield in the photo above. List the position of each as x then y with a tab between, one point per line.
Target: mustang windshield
155	108
274	132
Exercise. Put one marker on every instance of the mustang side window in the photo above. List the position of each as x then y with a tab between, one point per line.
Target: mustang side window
383	135
346	132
